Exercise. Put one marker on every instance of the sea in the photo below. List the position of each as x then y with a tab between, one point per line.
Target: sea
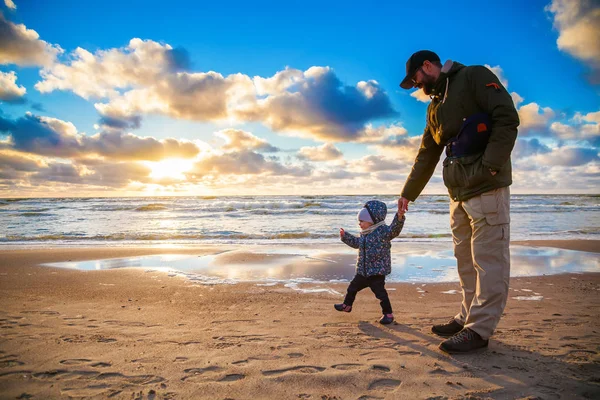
253	220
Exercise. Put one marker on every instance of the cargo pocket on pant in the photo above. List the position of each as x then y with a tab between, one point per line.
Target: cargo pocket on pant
495	213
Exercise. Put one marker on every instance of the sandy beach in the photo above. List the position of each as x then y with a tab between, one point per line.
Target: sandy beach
135	333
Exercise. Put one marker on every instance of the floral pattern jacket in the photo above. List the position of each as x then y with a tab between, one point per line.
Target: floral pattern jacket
374	255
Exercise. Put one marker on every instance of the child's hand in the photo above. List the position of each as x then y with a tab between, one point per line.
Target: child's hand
342	232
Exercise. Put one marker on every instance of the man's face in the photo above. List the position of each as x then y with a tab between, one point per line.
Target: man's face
424	81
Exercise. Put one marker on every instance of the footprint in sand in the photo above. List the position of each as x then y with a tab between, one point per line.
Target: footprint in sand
346	367
75	361
305	369
295	355
232	378
196	373
380	368
12	362
384	384
370	398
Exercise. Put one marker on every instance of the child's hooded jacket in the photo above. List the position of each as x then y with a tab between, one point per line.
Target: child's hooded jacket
374	256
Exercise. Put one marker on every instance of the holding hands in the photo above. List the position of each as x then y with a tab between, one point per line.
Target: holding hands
402	206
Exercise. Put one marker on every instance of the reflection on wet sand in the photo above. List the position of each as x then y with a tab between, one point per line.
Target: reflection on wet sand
434	263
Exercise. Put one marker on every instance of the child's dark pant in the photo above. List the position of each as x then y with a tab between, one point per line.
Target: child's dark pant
377	285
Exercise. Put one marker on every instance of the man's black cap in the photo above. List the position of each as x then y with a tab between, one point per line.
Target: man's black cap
414	63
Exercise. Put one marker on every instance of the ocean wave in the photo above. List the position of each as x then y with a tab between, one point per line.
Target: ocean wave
34	214
152	207
207	237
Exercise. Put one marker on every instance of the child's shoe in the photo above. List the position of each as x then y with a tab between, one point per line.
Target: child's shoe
342	307
387	319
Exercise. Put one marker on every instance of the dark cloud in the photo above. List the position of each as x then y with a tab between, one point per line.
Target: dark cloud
178	59
124	123
325	108
12	98
38	107
32	134
52	137
525	148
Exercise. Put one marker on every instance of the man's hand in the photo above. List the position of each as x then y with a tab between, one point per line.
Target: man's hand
402	206
493	172
342	232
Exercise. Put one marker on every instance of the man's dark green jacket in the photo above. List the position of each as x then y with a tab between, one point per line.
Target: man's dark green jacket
460	93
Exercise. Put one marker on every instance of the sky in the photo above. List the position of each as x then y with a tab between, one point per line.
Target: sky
154	98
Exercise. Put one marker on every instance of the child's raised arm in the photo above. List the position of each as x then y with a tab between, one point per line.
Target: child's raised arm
349	239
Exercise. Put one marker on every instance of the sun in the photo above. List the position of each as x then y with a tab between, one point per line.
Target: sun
173	168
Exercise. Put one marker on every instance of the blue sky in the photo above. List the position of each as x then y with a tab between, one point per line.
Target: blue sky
547	51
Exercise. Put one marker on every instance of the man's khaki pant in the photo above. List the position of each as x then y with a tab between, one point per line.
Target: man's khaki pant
481	235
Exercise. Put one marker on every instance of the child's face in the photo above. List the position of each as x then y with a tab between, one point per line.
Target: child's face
364	224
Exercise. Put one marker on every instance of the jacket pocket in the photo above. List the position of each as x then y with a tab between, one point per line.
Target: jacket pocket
494	209
465	172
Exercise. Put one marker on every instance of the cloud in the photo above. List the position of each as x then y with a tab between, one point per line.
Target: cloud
581	127
420	96
22	46
517	99
319	106
93	173
10	4
142	78
103	74
533	117
578	25
53	137
236	139
10	92
526	148
326	152
18	162
242	163
373	163
568	157
497	70
127	146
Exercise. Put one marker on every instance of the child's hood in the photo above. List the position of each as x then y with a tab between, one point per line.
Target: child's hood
377	210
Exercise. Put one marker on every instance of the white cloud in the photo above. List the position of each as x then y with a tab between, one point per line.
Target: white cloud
142	78
420	96
534	117
517	99
326	152
568	157
22	46
9	90
497	70
10	4
578	24
236	139
279	82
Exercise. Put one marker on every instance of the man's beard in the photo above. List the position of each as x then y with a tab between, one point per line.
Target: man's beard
428	83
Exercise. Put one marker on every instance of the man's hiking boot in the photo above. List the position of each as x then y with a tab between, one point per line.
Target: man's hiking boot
464	341
447	330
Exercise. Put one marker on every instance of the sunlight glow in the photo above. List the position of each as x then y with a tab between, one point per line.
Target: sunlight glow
173	168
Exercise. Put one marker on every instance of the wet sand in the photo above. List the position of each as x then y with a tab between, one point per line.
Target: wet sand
140	333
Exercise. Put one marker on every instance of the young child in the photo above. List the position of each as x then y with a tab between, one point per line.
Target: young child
374	258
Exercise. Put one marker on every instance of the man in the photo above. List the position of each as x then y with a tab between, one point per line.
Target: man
473	118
